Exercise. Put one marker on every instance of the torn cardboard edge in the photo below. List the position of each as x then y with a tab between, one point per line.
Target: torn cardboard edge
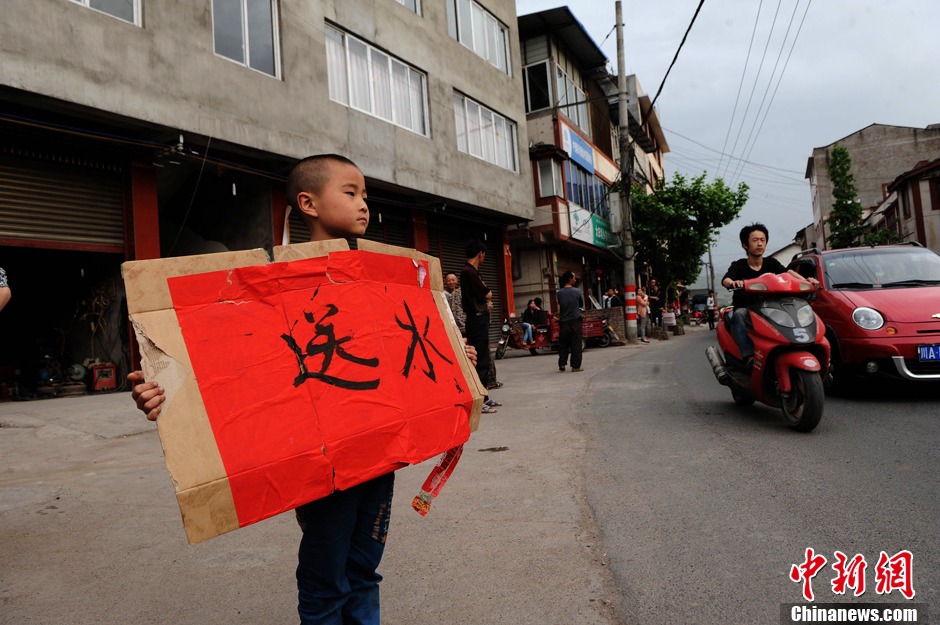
192	456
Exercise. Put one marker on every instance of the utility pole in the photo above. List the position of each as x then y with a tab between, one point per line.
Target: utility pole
711	267
626	180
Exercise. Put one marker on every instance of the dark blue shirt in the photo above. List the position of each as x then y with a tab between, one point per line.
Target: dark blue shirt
570	303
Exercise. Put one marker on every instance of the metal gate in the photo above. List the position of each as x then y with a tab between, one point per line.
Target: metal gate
64	204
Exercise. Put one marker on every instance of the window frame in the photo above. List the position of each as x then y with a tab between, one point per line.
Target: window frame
417	9
137	21
412	72
509	150
456	28
574	113
527	86
246	47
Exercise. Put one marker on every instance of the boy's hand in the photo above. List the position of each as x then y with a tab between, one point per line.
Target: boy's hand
471	352
148	396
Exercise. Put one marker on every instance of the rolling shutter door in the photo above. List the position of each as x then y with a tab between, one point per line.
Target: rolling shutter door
55	203
447	239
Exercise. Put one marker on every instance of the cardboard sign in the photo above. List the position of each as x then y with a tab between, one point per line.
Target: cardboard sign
289	380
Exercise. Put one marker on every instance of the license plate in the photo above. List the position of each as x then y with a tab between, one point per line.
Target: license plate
928	352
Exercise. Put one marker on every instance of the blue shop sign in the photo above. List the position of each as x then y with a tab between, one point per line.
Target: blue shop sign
577	148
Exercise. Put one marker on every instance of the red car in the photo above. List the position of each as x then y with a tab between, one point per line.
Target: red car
881	309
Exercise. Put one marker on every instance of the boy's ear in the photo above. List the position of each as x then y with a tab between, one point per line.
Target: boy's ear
307	203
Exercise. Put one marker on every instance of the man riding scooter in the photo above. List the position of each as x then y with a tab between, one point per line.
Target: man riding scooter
754	241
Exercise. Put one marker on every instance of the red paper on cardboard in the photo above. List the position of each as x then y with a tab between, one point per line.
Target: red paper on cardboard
320	374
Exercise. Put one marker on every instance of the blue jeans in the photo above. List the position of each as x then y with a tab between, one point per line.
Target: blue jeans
343	540
527	333
738	321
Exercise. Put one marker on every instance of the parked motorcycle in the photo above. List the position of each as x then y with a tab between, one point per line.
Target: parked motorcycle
791	353
594	331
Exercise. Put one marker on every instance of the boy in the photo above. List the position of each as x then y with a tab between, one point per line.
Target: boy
344	533
570	304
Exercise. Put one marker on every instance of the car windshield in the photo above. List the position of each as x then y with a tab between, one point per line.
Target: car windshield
868	268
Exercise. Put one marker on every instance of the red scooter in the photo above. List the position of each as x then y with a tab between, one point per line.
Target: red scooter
791	353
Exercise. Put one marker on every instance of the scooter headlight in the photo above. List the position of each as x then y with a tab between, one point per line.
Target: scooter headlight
868	318
778	316
805	316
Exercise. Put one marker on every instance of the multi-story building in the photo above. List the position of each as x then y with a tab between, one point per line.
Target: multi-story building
879	153
141	129
571	102
911	208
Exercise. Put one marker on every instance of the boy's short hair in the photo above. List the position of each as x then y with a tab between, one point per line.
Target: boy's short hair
746	231
538	301
566	278
310	174
474	247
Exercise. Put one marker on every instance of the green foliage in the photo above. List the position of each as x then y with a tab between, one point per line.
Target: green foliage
672	227
884	236
845	221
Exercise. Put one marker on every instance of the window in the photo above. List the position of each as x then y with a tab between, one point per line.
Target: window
475	27
374	82
127	10
245	31
550	178
535	82
485	134
569	94
414	5
587	190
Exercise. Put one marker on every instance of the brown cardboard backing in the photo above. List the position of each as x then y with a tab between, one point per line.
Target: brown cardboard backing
192	457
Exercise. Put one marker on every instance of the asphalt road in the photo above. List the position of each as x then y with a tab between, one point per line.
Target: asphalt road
633	493
703	506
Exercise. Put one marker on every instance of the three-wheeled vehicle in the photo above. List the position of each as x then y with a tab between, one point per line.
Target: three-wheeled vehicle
595	331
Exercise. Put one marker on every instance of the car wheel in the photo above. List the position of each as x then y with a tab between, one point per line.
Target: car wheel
840	379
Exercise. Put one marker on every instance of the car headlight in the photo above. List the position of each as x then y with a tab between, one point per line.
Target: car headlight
778	316
805	316
868	318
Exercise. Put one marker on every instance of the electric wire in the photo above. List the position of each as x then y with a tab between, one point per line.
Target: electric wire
676	56
741	83
774	95
773	72
756	78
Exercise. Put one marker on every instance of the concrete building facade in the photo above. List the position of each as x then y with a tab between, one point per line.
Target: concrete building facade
911	208
879	153
571	105
145	129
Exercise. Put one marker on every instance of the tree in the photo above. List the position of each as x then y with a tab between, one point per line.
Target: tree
845	220
673	226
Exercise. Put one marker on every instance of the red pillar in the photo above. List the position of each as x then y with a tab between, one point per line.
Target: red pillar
419	224
278	212
143	233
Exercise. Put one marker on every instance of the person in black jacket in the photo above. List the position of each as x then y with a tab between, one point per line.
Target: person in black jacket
754	241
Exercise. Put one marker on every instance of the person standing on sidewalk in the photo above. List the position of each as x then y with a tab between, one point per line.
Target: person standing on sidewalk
641	305
475	296
710	310
570	304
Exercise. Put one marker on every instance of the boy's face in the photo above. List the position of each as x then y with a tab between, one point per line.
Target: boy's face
339	209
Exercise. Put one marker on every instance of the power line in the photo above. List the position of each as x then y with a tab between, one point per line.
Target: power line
681	43
741	84
787	62
770	82
756	78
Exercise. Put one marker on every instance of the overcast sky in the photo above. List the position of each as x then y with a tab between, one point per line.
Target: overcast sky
853	64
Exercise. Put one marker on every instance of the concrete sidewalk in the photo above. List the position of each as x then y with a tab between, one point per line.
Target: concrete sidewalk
90	531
